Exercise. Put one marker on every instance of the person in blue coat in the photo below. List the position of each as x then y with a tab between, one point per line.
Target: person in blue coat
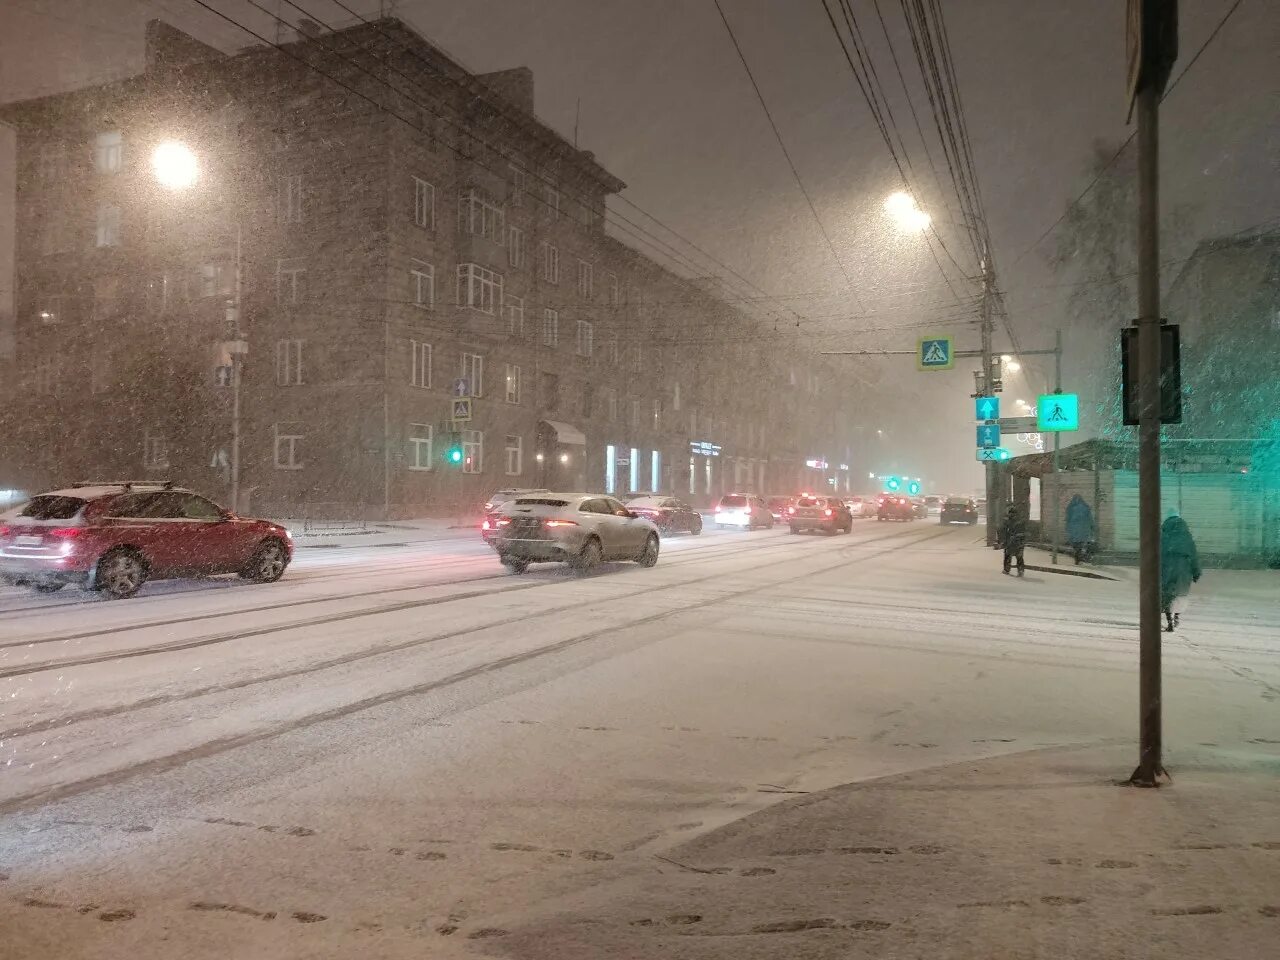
1079	527
1179	568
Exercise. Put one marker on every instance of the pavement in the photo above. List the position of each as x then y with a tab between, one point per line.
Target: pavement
1035	855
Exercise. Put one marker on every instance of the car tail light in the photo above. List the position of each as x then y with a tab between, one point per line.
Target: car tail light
827	512
502	522
791	509
719	509
748	510
561	523
5	531
486	526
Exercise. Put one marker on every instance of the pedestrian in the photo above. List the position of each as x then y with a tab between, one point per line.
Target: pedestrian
1179	568
1079	527
1013	537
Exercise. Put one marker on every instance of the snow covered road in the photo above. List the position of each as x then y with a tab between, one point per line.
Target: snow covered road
399	749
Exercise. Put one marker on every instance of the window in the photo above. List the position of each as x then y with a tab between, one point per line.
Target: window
472	451
513	383
514	309
586	280
516	189
637	357
610	468
423	275
478	288
657	413
424	204
515	456
550	392
613	351
549	262
418	452
288	443
615	293
675	396
290	276
613	404
550	327
50	308
108	152
288	363
289	199
480	216
552	196
588	400
215	279
419	363
155	451
108	232
635	413
515	247
586	338
473	373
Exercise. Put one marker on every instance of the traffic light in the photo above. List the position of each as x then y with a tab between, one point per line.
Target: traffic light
453	454
913	488
893	484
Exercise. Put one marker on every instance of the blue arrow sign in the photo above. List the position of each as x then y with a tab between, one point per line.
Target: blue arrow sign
988	436
986	408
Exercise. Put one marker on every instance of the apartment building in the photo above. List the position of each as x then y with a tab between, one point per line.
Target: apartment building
373	233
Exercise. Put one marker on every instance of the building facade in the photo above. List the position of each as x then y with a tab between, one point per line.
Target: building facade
374	233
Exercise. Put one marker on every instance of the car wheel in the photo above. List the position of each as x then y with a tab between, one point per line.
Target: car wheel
589	558
649	556
121	574
695	527
516	565
267	563
47	587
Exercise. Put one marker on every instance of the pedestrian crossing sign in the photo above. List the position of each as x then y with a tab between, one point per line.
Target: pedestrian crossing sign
935	353
1058	412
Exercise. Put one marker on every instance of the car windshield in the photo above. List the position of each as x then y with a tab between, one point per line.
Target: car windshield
957	502
808	502
541	502
52	507
733	500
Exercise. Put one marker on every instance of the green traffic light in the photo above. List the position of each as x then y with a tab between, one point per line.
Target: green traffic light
913	488
455	455
893	483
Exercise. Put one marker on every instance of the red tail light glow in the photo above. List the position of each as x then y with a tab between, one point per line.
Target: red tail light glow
485	526
748	510
562	523
791	509
826	512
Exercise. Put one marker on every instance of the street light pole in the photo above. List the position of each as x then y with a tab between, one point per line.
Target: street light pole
987	389
236	354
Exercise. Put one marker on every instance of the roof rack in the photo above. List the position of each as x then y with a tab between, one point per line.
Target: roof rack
127	484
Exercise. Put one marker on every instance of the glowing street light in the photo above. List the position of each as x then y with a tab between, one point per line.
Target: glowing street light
174	165
908	217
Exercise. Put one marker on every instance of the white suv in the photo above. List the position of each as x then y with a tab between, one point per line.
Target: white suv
580	529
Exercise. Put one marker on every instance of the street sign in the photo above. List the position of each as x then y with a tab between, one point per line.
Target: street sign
935	353
994	455
461	408
1019	425
986	408
988	436
1057	412
461	387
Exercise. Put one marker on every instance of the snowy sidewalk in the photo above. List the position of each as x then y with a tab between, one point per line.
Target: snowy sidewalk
1034	855
382	533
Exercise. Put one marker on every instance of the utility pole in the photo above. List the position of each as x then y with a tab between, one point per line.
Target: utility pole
239	347
986	388
1057	444
1153	47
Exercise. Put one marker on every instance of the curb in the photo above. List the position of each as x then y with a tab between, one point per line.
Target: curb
1072	572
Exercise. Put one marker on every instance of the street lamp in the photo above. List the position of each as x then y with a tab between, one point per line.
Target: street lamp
176	166
908	217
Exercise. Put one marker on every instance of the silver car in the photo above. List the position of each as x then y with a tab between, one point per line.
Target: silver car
580	529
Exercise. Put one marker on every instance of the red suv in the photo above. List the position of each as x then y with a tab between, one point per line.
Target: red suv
114	537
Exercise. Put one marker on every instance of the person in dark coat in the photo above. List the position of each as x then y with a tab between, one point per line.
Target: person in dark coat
1079	527
1179	568
1013	537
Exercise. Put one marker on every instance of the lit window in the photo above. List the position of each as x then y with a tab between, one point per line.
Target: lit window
472	451
421	438
479	288
423	275
424	204
513	383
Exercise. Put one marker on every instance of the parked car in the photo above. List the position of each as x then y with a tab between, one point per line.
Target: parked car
959	510
580	529
778	507
893	507
828	514
743	510
114	537
669	514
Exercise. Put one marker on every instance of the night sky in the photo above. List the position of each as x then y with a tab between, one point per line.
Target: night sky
665	104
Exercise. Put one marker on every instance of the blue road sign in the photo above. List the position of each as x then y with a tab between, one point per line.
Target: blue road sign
986	408
1057	412
994	455
935	353
988	436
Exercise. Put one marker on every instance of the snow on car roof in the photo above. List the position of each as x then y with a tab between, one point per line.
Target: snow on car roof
648	501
